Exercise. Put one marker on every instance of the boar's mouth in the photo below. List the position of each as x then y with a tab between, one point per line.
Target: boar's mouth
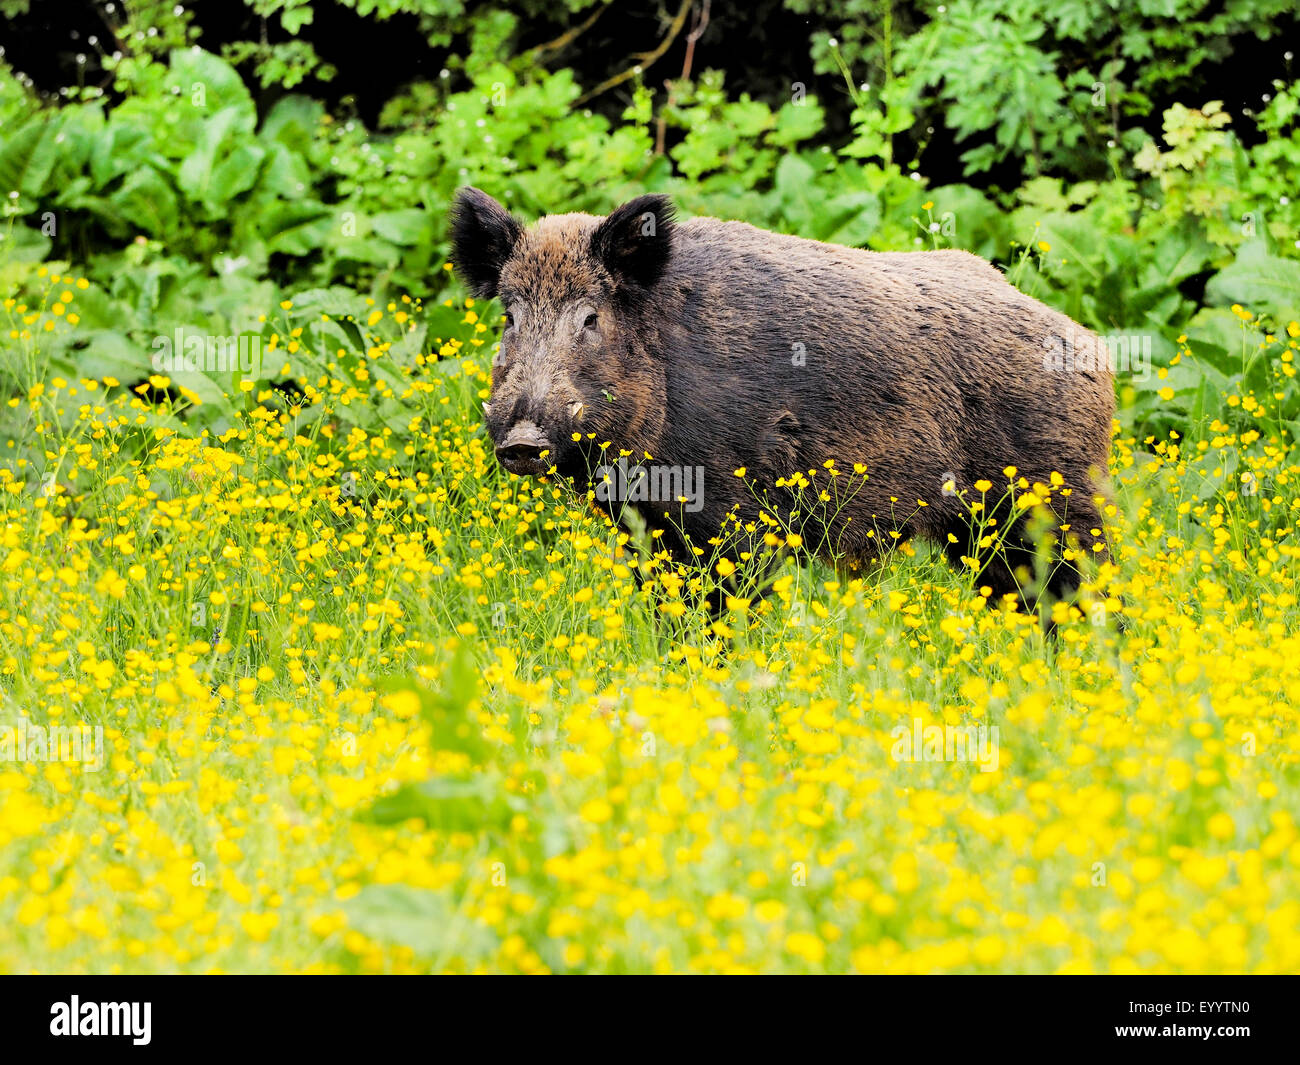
521	450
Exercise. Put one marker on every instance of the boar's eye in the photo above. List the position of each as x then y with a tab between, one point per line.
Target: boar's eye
510	320
590	321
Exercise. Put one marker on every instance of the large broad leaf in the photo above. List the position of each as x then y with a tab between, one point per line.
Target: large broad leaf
293	123
406	227
1182	252
797	122
1135	354
104	353
120	149
297	228
207	84
448	708
215	385
147	201
1259	281
337	302
28	157
969	219
235	174
850	218
216	403
411	343
79	135
100	311
446	322
23	245
792	194
1219	338
287	174
447	804
215	172
422	920
374	252
1198	392
236	304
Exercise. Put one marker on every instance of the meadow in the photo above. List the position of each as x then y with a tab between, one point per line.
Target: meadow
295	678
370	704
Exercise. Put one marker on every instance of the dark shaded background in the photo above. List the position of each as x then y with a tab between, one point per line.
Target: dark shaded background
762	46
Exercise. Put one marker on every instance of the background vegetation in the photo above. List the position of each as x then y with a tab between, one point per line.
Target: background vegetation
1092	149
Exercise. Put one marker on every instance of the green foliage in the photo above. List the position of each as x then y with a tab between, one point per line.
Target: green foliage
187	205
1055	83
289	63
1268	178
992	73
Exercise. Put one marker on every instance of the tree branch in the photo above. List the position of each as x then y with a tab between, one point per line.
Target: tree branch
699	24
571	35
644	59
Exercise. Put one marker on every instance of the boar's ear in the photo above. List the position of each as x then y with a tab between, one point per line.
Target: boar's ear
483	236
636	241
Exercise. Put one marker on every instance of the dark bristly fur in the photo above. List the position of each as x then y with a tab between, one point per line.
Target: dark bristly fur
679	340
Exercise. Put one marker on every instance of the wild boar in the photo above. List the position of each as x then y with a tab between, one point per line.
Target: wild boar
710	347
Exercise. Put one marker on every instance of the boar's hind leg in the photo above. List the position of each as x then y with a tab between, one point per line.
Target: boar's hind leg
994	568
1085	536
1020	563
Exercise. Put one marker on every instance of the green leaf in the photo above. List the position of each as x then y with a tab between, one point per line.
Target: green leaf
406	227
287	174
24	245
147	201
850	218
337	302
448	709
297	228
417	918
295	19
1182	252
235	174
195	171
293	122
447	804
119	150
208	84
27	158
103	353
796	123
1257	281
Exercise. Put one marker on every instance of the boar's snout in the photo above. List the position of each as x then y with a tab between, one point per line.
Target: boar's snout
521	450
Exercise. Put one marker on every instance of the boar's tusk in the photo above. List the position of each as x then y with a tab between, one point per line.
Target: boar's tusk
577	408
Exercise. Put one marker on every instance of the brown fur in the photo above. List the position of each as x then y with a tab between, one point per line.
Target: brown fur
919	365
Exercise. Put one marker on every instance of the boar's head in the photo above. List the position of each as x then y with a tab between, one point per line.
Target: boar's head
576	291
